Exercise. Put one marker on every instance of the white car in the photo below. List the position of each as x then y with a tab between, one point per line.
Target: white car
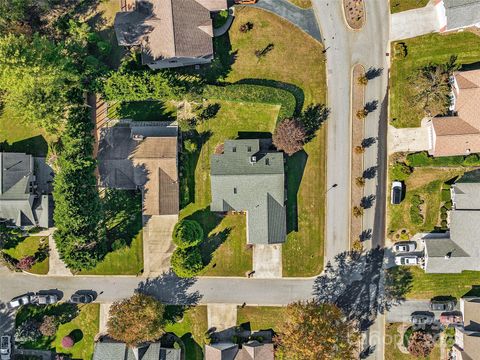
406	260
5	348
405	246
19	301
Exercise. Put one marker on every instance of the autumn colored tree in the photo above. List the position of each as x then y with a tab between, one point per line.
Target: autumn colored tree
421	344
289	136
316	331
26	263
362	79
49	326
360	181
362	113
136	319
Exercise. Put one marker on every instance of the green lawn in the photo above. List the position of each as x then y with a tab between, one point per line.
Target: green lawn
426	286
191	329
143	111
427	183
392	352
83	328
261	317
403	5
28	247
433	48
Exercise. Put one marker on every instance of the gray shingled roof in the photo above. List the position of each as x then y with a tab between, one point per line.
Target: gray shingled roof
119	351
462	13
257	187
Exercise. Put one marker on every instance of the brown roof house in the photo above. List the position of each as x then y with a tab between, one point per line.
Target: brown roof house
171	33
252	350
467	337
459	134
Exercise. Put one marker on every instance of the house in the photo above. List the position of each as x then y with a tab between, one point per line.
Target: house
170	33
21	200
142	156
252	350
459	134
459	249
467	337
249	177
459	14
107	350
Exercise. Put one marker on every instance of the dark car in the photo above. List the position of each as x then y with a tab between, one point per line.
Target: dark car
442	305
396	195
422	319
81	298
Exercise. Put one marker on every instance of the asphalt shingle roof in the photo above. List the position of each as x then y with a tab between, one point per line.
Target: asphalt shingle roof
462	13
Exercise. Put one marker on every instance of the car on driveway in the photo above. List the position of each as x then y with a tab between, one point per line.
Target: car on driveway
442	305
5	347
81	298
405	246
44	299
422	319
19	301
396	193
406	260
451	318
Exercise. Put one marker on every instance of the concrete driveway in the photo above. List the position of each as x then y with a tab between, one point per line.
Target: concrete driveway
302	18
416	22
158	246
267	261
403	312
221	316
408	139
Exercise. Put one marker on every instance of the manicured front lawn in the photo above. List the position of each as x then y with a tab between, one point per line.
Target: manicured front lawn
426	183
433	48
261	317
392	352
28	247
404	5
143	111
426	286
191	329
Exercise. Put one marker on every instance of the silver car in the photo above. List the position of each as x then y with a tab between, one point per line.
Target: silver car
45	299
405	246
5	347
19	301
406	260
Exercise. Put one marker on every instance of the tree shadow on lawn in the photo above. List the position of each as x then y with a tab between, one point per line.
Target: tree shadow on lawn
354	283
36	146
295	169
144	111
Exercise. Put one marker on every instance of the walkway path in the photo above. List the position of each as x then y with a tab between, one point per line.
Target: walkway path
225	27
56	265
302	18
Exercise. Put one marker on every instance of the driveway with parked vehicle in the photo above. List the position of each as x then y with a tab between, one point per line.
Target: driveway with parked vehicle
403	312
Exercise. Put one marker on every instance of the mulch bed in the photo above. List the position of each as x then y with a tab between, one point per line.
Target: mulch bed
354	13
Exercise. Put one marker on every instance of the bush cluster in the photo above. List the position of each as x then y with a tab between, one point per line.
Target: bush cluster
423	159
400	171
186	259
415	212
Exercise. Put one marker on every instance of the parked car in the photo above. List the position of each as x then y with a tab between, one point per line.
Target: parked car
442	305
81	298
406	260
5	347
44	299
19	301
451	318
405	246
422	319
396	195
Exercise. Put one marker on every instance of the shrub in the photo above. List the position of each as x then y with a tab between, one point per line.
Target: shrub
472	160
361	114
359	149
187	233
444	224
421	344
360	181
48	326
415	215
289	136
26	263
448	205
446	195
362	80
27	331
423	159
9	261
246	27
400	171
67	342
400	50
187	262
357	211
443	216
190	145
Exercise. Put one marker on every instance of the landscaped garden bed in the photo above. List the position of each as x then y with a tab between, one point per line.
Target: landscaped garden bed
34	248
354	11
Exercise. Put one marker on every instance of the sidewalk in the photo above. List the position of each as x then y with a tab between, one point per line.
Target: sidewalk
56	265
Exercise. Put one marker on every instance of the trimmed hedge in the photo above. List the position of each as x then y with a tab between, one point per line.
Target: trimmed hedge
255	94
423	159
400	171
187	262
187	233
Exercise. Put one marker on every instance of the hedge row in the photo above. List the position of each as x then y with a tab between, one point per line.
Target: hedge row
423	159
255	94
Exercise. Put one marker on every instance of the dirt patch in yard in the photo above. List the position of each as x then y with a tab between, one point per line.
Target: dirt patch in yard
358	102
354	11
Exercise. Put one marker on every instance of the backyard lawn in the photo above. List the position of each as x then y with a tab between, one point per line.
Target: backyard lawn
191	329
261	317
392	352
404	5
433	48
427	184
29	247
143	111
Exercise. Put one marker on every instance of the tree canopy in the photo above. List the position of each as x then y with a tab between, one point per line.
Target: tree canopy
289	136
187	262
187	233
316	331
137	319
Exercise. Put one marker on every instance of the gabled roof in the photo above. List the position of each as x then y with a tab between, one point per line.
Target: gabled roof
109	350
221	351
16	170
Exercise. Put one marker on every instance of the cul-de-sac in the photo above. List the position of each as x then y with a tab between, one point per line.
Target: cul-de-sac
239	179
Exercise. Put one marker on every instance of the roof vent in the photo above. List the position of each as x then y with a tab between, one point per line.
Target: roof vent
448	255
253	159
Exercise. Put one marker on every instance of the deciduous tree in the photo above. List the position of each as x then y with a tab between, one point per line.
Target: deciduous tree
289	136
187	233
316	331
421	344
137	319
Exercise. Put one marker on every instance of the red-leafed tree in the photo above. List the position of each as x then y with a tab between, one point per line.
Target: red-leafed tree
289	136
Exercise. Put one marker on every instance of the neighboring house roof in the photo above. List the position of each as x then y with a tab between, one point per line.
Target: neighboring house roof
149	162
257	187
460	134
221	351
120	351
169	28
459	250
252	350
469	344
462	13
15	175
